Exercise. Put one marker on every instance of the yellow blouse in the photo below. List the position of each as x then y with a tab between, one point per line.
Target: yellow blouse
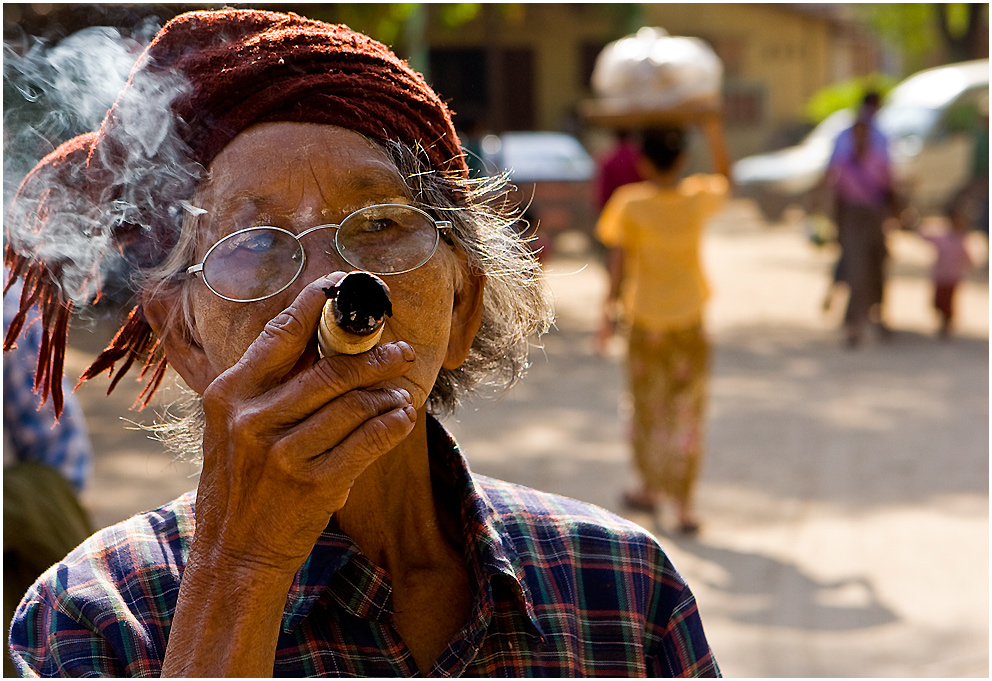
660	230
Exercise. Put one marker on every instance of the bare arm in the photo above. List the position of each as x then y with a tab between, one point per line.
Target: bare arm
279	459
611	305
712	127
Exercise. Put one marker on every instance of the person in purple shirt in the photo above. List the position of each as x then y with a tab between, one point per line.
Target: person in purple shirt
860	177
867	111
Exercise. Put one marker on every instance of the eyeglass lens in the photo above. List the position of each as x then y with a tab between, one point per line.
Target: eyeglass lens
262	261
386	239
253	264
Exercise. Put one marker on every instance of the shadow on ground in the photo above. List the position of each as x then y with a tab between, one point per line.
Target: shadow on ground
774	593
793	414
895	422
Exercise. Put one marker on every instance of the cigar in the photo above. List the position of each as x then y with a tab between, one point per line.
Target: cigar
354	314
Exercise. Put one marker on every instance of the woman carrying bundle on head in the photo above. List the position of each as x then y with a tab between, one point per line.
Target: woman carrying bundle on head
654	231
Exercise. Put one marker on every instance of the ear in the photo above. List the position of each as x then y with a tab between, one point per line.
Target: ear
466	317
184	353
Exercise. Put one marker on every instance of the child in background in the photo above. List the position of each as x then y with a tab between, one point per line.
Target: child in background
654	229
952	262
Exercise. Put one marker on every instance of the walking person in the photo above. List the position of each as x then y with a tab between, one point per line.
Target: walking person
860	178
951	264
654	229
618	167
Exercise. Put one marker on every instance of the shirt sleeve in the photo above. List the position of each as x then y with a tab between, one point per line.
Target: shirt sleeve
841	145
50	639
708	193
675	643
682	651
106	608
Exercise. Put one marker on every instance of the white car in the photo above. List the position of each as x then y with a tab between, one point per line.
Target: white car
532	156
551	173
926	119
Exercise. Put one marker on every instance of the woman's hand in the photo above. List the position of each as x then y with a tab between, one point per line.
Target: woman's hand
607	329
280	456
611	305
281	451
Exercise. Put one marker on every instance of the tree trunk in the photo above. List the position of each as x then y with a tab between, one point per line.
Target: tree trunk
970	44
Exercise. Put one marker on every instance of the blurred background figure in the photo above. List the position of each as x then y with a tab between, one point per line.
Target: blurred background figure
952	260
47	462
871	102
619	166
653	230
860	179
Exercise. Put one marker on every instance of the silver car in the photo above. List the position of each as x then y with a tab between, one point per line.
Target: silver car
551	173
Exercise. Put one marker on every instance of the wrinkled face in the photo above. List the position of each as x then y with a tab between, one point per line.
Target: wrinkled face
296	176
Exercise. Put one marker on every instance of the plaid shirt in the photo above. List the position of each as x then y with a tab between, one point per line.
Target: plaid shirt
561	588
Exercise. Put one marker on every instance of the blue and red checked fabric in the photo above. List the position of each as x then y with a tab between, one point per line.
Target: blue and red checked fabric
561	588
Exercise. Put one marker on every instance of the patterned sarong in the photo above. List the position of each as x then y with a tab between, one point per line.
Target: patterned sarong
668	374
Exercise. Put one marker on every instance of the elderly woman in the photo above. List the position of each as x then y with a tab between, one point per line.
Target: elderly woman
336	528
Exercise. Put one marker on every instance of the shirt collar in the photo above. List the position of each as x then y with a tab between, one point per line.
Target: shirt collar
336	565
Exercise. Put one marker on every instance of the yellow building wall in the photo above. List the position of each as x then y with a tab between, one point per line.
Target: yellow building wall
555	33
783	53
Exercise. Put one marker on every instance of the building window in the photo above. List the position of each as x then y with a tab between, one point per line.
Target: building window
588	52
730	50
743	104
492	88
516	102
459	77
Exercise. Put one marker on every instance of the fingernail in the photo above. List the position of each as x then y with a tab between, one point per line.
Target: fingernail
407	350
404	396
411	413
331	279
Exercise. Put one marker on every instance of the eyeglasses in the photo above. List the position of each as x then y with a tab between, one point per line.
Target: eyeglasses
259	262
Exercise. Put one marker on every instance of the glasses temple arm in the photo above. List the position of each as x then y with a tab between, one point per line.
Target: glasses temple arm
444	228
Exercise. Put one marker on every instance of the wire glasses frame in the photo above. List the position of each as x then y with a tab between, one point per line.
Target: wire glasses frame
442	229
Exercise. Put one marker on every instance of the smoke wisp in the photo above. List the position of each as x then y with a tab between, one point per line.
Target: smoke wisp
99	236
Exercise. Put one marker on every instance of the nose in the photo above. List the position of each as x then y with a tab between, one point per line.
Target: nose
322	257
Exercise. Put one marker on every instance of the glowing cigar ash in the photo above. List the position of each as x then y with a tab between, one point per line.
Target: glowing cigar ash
354	314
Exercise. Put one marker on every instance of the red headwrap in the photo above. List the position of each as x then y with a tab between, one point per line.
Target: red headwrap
213	74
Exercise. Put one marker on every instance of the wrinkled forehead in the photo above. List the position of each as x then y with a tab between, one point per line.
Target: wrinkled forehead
297	172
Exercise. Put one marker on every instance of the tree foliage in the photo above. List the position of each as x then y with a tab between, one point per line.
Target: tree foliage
394	23
929	34
846	94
